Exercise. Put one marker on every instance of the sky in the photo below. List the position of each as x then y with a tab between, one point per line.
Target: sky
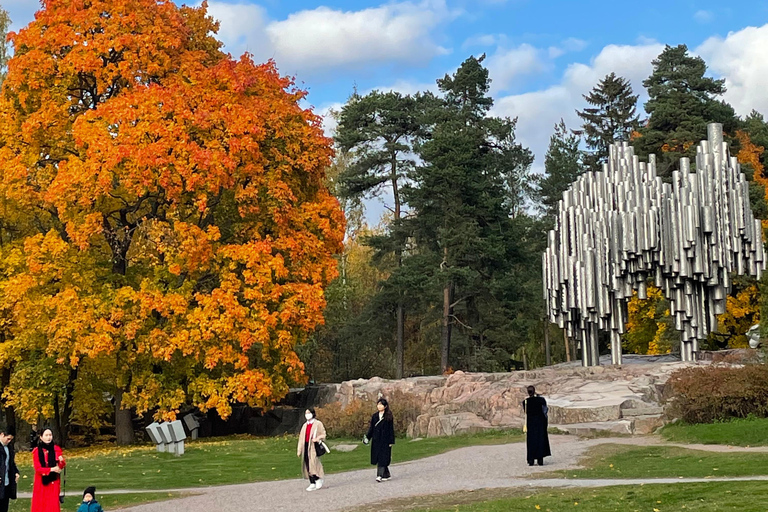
542	55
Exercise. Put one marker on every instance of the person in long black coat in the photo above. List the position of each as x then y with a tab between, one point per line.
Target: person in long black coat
381	434
9	473
537	440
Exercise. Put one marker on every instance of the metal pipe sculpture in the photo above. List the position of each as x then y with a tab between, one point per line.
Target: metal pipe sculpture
622	226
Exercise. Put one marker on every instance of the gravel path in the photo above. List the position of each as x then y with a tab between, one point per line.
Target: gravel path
471	468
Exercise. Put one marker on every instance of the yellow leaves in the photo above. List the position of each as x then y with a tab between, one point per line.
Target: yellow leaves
648	330
742	311
187	234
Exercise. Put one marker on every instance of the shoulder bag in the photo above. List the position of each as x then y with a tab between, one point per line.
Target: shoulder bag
321	448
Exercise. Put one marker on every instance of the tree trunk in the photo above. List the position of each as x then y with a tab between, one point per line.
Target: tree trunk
123	421
567	346
10	413
399	371
69	397
62	413
547	348
446	330
400	348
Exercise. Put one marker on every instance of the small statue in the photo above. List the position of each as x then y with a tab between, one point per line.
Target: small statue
754	336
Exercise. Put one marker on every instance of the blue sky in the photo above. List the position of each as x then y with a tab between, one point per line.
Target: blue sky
542	55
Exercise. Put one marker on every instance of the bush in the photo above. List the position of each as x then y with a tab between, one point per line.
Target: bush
352	420
349	421
718	393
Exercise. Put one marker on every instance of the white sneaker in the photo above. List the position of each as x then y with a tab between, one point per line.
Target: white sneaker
385	479
378	479
319	484
312	487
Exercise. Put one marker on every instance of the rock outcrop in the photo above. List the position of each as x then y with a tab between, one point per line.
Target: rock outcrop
621	400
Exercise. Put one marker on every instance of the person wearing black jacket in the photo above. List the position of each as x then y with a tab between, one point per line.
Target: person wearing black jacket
537	440
381	434
9	473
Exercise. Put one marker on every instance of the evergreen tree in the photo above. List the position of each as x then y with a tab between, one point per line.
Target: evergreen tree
611	118
757	129
463	196
562	165
378	129
682	101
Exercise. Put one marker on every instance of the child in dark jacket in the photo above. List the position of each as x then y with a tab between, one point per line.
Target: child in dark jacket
89	501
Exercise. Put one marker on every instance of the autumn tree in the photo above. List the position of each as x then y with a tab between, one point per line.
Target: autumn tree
650	328
5	23
179	233
610	118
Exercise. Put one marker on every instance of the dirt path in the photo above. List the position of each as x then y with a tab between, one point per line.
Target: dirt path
471	468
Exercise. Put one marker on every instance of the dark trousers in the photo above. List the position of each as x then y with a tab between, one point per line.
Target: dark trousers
312	478
383	471
540	461
4	505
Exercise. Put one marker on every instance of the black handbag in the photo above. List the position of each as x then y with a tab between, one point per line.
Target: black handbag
321	448
63	492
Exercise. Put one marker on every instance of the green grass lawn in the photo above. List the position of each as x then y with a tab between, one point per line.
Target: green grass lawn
230	461
623	461
737	432
108	502
715	496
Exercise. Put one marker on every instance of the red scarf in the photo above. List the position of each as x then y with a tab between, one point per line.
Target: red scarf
309	432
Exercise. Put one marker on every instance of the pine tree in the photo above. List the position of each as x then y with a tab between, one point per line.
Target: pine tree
611	118
756	127
378	130
463	196
682	101
562	165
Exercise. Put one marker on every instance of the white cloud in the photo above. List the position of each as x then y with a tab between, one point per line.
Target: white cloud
507	67
539	111
569	45
242	28
703	16
482	40
740	59
324	37
327	112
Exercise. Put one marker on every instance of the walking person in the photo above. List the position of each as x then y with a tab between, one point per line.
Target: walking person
381	434
49	463
312	432
9	473
537	439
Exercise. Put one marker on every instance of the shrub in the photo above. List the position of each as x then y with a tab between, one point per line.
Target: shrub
349	421
352	420
406	407
717	393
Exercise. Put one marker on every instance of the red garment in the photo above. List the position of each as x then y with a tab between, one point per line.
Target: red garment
309	433
45	498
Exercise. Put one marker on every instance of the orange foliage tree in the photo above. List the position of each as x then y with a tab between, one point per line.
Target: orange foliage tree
170	226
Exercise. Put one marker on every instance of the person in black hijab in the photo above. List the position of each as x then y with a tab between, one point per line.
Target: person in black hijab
49	463
537	439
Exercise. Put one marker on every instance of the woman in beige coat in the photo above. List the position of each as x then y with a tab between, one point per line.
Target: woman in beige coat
311	432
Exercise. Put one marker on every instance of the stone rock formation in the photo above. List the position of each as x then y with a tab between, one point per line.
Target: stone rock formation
621	400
